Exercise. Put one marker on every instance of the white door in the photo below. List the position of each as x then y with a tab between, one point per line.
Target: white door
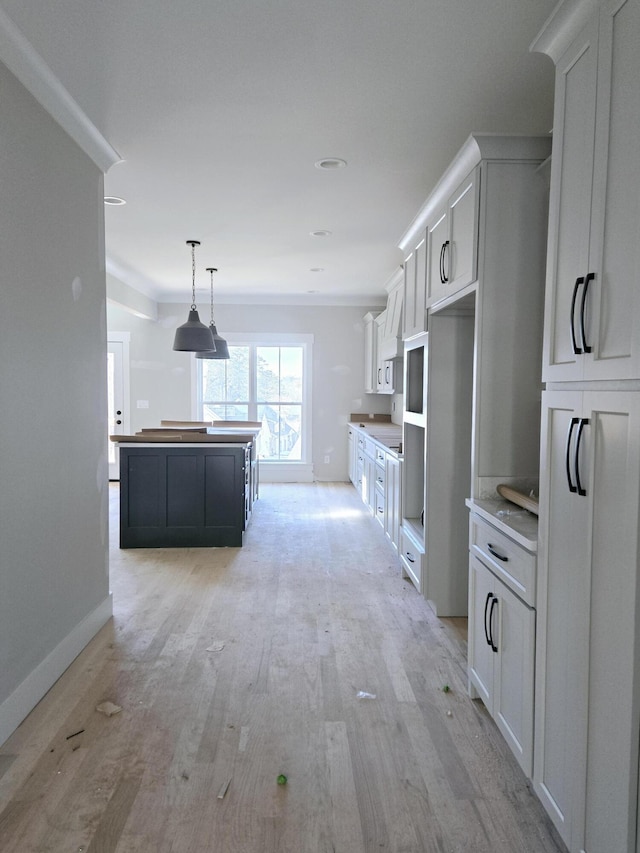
117	383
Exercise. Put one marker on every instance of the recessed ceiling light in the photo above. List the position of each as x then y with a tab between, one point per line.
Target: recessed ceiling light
330	163
321	233
114	200
316	269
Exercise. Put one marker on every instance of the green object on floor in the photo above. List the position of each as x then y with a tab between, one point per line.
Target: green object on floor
282	779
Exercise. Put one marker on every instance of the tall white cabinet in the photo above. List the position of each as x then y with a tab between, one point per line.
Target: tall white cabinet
587	699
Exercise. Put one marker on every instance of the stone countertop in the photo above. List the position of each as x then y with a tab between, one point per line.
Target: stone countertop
517	523
387	435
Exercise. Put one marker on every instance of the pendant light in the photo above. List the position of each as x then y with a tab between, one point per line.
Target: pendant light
221	349
193	336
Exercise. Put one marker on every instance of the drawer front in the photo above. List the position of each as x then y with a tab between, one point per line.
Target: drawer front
369	446
412	560
379	507
380	455
511	563
380	478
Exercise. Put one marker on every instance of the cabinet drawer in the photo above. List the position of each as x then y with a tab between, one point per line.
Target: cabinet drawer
380	456
412	559
515	566
380	478
379	507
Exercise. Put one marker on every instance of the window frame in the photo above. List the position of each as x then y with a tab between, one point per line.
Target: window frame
267	339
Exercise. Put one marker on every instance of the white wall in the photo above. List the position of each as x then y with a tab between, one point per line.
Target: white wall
54	589
163	377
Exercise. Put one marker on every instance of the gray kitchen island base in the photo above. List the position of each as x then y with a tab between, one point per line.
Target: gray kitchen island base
183	496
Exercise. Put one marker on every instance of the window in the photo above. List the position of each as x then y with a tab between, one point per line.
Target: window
265	382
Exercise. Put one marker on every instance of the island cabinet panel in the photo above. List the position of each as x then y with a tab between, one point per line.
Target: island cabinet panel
182	496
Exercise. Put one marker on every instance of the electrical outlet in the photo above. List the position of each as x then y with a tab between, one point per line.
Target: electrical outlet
326	460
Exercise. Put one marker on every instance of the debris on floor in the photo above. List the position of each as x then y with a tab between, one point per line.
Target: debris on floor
108	709
224	789
216	647
282	779
361	694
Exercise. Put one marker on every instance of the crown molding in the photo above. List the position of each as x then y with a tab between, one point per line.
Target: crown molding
21	58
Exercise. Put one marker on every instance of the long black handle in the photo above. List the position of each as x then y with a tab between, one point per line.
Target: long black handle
572	316
442	264
498	556
379	376
486	630
445	277
386	374
583	336
583	423
567	458
494	648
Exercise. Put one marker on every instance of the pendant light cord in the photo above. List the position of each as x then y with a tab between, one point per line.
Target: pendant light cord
193	276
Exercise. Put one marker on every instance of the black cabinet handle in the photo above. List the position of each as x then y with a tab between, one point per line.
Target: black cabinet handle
118	422
567	458
581	491
410	557
386	374
444	278
379	376
494	648
572	316
498	556
486	629
585	346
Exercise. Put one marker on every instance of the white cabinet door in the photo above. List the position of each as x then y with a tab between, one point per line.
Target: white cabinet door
393	491
501	658
437	244
414	320
379	324
592	322
587	702
514	674
480	650
370	354
452	242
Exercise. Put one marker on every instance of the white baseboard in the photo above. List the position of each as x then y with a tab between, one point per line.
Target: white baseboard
285	472
25	697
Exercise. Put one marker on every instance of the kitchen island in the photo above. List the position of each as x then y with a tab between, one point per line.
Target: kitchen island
187	486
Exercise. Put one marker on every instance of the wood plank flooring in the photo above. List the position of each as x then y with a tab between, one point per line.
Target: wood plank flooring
237	665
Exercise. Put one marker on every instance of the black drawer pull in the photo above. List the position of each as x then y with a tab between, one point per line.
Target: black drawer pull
581	491
567	459
410	556
486	629
498	556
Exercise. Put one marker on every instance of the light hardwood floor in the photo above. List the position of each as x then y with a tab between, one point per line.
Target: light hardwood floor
241	664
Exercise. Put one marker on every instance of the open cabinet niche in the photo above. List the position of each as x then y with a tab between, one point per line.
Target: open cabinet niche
437	441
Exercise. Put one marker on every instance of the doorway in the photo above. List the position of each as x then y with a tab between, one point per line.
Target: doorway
117	395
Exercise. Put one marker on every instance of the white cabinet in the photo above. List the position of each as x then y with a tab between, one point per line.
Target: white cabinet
501	657
452	242
592	321
588	654
415	288
370	353
391	346
393	499
385	370
353	456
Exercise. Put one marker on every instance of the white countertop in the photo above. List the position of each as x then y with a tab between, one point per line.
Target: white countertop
517	523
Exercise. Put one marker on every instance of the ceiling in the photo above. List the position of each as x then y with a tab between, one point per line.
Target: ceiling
219	111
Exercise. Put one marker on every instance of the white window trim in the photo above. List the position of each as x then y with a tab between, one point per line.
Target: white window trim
272	471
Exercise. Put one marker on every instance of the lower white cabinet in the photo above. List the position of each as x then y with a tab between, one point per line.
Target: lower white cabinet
393	499
501	658
588	637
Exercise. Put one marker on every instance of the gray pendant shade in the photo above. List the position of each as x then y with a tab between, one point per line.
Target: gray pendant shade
194	336
221	350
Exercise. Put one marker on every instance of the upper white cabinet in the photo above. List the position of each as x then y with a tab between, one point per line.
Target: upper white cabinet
385	372
370	354
392	345
592	316
415	289
452	242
